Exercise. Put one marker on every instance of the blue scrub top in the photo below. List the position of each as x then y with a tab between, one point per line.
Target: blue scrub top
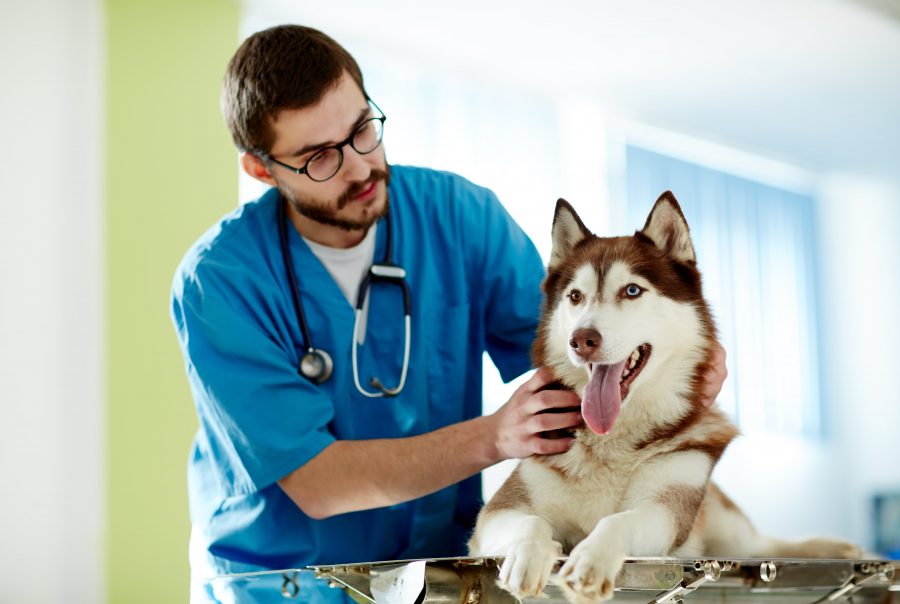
475	280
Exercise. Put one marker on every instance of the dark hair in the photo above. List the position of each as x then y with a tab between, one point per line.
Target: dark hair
283	67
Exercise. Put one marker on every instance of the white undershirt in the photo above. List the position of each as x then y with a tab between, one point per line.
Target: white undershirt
348	267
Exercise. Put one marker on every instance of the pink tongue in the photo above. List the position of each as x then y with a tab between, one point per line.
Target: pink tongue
602	397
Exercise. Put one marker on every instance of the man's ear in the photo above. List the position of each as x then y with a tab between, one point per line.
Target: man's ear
256	168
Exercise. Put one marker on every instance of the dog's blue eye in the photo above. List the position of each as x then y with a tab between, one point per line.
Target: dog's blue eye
633	291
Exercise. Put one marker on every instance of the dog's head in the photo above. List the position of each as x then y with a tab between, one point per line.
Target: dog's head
623	317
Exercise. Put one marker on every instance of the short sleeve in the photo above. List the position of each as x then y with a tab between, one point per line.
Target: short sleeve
260	420
509	272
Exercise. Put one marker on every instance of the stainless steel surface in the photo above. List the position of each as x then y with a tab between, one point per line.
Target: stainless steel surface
645	580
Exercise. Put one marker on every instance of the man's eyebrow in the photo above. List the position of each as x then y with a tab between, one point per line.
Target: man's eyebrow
363	115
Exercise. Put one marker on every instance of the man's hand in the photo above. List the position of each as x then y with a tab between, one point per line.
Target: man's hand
520	421
714	377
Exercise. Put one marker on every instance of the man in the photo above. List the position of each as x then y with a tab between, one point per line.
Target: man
288	469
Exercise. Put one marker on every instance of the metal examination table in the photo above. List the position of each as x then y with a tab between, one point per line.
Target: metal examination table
646	580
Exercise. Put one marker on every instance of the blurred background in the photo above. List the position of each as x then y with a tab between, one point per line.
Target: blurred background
776	124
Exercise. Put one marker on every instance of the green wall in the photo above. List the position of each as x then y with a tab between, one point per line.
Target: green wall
171	172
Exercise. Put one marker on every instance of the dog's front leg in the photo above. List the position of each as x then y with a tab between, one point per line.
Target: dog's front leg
527	545
659	511
590	572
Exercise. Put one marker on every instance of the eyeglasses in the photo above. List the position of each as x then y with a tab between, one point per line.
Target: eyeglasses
325	163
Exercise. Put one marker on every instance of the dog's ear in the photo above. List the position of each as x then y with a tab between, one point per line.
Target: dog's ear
668	229
568	231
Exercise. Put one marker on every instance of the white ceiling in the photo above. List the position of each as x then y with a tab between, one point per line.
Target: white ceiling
815	83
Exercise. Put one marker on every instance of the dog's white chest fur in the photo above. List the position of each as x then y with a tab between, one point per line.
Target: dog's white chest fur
577	504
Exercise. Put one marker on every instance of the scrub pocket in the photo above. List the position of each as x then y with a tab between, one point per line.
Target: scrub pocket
448	344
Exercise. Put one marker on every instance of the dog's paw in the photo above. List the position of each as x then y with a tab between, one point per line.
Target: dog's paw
589	575
822	547
527	567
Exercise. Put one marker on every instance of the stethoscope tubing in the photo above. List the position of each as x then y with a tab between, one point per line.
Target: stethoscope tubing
289	268
375	382
317	364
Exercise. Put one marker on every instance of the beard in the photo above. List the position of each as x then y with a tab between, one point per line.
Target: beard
326	213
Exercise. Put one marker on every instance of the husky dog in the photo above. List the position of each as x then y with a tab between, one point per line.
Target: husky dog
625	324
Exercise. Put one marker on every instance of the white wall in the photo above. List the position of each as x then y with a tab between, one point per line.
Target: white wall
51	302
858	249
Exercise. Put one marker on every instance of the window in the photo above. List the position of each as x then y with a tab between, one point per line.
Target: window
755	248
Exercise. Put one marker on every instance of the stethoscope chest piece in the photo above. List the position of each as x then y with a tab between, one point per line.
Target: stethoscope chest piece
316	366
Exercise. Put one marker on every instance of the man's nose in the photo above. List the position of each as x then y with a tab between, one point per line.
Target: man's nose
585	342
356	167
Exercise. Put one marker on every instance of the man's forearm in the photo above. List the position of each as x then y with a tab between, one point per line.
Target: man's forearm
349	476
354	475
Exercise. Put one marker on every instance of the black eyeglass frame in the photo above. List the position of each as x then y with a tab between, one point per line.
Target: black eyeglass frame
339	147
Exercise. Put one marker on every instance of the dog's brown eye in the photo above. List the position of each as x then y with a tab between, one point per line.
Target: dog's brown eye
575	296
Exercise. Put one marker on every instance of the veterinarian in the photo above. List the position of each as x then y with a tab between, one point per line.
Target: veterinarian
336	426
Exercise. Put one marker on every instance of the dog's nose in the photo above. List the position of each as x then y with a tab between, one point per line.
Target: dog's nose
585	342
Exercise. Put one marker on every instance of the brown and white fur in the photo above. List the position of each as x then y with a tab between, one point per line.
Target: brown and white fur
636	480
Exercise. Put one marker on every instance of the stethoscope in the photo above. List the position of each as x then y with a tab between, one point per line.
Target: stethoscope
316	365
